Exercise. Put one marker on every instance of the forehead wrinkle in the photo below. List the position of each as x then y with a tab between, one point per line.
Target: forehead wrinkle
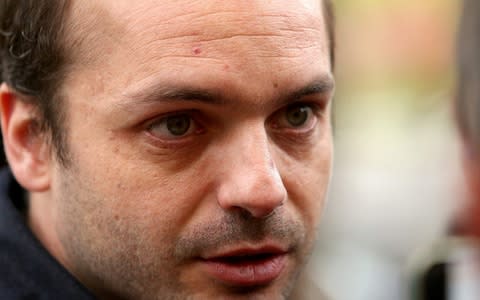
177	14
192	25
204	27
204	30
282	45
253	48
264	34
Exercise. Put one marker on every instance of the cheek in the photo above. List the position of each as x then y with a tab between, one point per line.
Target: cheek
128	191
131	197
125	214
307	182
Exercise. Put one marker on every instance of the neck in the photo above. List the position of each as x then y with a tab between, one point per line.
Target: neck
42	220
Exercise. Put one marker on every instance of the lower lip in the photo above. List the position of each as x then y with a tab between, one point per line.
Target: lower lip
247	273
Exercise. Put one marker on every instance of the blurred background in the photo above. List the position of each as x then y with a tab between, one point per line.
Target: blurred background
398	176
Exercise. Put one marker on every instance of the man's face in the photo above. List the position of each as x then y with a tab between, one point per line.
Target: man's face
200	145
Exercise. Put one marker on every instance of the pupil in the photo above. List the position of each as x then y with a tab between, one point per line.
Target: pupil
297	116
178	125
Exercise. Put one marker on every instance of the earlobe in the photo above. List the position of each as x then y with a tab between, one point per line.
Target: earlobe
25	146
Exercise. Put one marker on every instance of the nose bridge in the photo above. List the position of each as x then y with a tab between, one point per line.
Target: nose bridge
252	181
256	150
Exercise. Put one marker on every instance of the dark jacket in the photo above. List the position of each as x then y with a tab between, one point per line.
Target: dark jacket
27	270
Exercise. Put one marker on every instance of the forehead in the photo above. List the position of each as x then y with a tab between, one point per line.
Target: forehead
246	38
183	16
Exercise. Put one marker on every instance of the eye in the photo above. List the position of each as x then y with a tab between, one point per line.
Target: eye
173	126
295	116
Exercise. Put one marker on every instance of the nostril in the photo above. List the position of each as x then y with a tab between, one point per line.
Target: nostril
262	212
265	215
258	195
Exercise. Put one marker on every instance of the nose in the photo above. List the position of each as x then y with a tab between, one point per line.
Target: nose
250	181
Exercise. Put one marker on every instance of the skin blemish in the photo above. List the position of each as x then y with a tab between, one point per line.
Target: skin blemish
197	50
275	85
226	67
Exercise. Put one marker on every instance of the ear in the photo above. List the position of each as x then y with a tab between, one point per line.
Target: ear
468	219
26	147
471	168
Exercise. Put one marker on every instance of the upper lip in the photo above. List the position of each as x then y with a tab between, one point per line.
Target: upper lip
266	249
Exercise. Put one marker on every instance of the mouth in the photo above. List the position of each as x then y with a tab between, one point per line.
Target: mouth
247	267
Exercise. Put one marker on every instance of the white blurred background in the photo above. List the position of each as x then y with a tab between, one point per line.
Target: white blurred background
397	178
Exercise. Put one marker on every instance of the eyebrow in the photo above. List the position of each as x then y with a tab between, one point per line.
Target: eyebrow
321	85
165	93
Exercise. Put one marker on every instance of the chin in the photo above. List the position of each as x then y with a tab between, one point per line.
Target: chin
279	289
250	293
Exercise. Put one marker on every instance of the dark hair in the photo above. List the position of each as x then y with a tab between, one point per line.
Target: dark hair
33	58
467	102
